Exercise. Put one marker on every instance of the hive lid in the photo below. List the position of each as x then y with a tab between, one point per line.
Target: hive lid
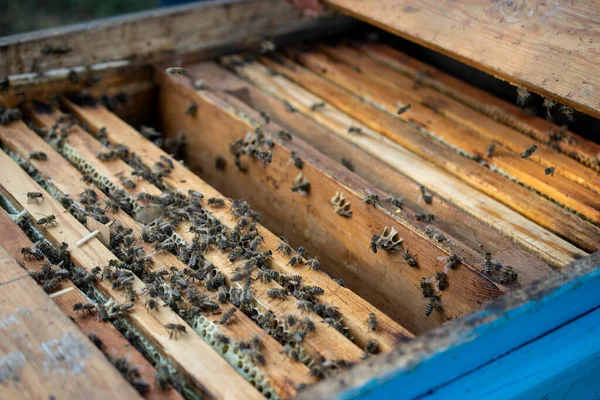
549	47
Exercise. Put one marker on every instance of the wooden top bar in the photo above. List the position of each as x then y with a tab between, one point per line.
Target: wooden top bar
547	47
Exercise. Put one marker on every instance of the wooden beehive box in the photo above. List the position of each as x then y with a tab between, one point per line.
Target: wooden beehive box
430	251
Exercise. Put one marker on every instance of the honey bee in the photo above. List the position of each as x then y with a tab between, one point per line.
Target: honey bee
38	155
549	105
567	112
435	235
31	196
374	241
427	196
265	156
509	275
313	264
433	302
220	163
298	163
549	171
285	136
226	317
522	96
426	217
216	202
127	183
163	377
288	106
305	305
410	259
442	280
175	329
372	347
316	106
451	262
396	202
291	352
372	322
490	150
372	199
301	185
488	265
426	288
348	164
151	304
106	155
278	293
48	220
51	285
284	248
83	307
176	71
403	109
530	150
32	252
192	110
295	260
355	130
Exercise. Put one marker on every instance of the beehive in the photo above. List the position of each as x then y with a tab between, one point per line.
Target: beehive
406	196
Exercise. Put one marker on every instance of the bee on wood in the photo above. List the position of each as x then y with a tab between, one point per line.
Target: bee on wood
220	163
426	288
31	196
549	105
298	163
355	130
509	275
103	313
284	248
226	317
308	324
32	252
403	109
305	305
83	307
395	202
374	241
527	153
51	285
301	185
38	155
216	202
522	96
435	235
278	293
175	329
86	178
127	183
48	220
313	264
488	265
176	71
348	164
451	262
316	106
433	303
410	259
372	347
372	322
549	171
490	150
285	136
371	199
442	280
290	351
426	217
296	260
192	110
567	112
162	378
151	304
427	196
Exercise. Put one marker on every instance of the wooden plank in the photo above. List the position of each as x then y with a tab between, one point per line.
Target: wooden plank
500	329
326	341
577	147
13	239
467	231
41	363
462	137
525	202
146	35
525	43
467	290
489	130
190	354
279	372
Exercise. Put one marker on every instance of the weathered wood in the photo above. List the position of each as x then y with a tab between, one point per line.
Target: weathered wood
146	35
279	373
468	344
189	354
355	310
13	239
526	43
577	147
528	203
467	289
56	361
467	231
460	137
407	91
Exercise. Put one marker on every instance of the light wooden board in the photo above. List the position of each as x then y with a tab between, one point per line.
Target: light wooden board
467	232
148	34
279	372
355	309
116	346
528	43
58	361
510	114
463	137
549	247
525	202
189	354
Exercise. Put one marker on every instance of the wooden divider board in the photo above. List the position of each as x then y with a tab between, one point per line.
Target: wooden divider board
469	288
469	234
489	130
189	354
325	341
281	373
488	104
459	136
526	202
58	361
13	239
526	43
354	309
547	246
